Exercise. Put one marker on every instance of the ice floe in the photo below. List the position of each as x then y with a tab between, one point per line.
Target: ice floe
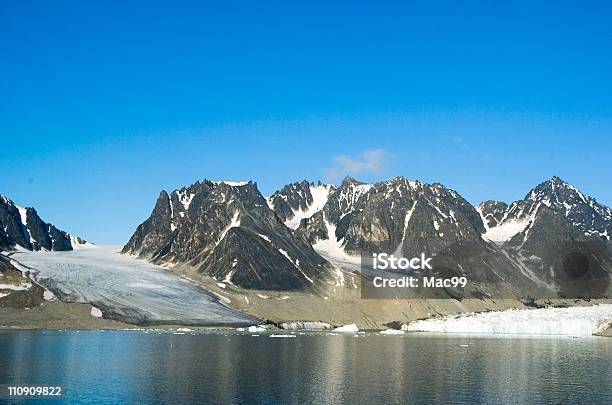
352	328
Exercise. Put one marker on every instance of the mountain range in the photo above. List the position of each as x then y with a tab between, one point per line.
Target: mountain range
298	236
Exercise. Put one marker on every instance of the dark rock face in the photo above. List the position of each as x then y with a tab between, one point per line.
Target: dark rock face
298	201
397	215
45	235
227	231
6	266
23	227
29	297
5	242
11	224
584	213
492	212
291	198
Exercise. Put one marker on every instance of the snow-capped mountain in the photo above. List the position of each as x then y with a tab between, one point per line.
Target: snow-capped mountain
22	227
231	232
297	201
555	234
553	197
402	216
397	215
407	218
228	231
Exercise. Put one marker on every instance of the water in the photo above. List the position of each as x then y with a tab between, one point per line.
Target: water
162	367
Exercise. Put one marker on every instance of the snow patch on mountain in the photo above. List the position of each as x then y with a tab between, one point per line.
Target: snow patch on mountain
23	214
320	194
185	198
349	196
235	223
78	243
296	263
96	312
264	237
517	219
332	249
505	231
270	203
398	250
229	275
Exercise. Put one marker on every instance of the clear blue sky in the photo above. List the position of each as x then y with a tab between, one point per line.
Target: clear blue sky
103	104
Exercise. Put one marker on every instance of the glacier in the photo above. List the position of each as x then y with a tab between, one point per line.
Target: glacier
126	289
573	321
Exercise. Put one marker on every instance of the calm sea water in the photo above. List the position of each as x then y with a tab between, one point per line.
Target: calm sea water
138	367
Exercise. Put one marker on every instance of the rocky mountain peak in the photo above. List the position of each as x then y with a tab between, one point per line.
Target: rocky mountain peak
349	180
298	201
227	230
396	214
557	197
492	212
550	187
23	227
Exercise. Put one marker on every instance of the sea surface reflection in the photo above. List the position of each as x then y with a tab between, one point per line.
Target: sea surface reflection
219	367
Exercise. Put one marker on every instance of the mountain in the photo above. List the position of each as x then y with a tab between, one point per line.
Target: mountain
398	215
22	227
407	218
297	201
585	215
227	230
533	242
559	235
538	245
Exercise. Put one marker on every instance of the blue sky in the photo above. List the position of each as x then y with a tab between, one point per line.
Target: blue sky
104	105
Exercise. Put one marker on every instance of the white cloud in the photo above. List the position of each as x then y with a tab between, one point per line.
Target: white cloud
372	161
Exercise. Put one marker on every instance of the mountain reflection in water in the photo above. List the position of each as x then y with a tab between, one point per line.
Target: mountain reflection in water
220	367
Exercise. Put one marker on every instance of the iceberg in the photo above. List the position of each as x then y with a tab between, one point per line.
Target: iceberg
573	321
96	312
352	328
256	328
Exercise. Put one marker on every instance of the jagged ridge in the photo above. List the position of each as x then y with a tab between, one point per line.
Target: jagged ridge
23	227
228	231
